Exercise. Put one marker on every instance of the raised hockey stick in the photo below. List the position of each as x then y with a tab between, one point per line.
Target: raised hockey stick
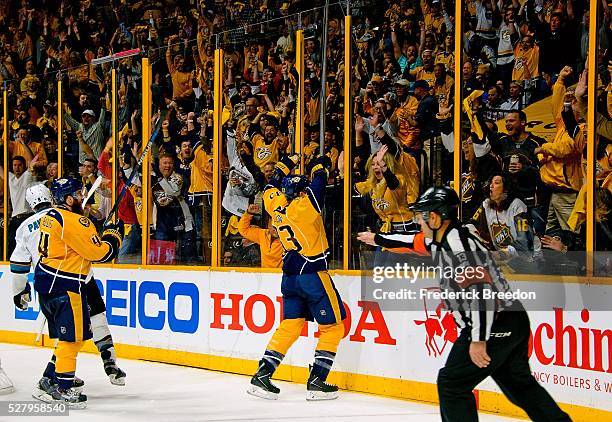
92	190
128	182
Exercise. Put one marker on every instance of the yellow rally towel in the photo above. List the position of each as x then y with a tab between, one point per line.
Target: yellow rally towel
232	226
467	107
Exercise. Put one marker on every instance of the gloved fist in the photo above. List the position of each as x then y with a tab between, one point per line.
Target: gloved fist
287	163
324	160
21	300
116	229
295	158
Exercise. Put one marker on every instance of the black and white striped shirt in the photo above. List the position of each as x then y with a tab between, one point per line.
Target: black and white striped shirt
461	248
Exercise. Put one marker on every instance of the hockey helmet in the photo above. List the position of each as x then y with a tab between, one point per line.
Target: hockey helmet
66	186
439	199
37	195
291	186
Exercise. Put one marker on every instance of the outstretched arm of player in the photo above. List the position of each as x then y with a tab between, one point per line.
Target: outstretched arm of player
318	181
282	169
397	242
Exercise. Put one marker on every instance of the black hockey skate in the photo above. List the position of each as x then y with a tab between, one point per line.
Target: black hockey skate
49	392
78	384
320	390
115	374
261	386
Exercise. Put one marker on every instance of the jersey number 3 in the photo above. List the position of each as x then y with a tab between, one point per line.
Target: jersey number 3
43	244
288	235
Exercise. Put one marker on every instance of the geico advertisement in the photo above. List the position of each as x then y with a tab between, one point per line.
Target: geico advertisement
234	314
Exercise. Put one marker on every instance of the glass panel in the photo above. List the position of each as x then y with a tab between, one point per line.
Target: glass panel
519	67
180	207
603	155
32	135
127	148
403	89
260	89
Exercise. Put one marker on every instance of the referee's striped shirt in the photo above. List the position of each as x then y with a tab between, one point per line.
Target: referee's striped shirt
460	248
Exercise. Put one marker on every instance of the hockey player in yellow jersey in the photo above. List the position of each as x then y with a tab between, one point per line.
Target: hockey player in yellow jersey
69	244
295	205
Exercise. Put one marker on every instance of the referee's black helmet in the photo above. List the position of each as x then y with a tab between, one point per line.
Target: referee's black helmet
439	199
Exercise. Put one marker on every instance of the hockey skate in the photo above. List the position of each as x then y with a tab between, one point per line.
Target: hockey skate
78	384
261	386
49	392
320	390
115	374
6	385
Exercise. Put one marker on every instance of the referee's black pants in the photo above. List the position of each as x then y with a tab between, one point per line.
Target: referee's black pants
509	368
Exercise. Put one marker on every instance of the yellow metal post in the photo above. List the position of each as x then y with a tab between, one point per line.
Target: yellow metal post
216	149
5	141
457	100
299	104
60	122
114	134
590	171
348	160
146	134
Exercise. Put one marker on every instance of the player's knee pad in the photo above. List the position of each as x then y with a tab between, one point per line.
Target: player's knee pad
330	336
66	353
286	334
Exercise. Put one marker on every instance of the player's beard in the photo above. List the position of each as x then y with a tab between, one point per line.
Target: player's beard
77	207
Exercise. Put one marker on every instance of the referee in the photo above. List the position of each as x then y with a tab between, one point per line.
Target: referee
494	334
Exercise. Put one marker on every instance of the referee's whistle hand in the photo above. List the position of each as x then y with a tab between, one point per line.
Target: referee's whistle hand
478	354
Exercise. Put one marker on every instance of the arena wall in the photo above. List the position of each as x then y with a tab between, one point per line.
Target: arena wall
222	320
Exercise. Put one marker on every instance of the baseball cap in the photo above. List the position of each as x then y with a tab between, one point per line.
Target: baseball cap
90	112
421	84
403	82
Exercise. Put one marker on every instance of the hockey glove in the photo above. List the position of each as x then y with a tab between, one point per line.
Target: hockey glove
287	163
21	299
322	162
113	235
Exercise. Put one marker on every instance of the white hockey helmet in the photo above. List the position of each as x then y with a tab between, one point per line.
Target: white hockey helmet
38	194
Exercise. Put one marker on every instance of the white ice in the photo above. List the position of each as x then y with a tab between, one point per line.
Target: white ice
162	392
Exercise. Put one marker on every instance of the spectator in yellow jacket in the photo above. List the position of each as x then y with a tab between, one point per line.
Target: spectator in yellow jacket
270	246
561	168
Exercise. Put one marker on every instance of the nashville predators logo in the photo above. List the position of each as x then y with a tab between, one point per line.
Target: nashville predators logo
501	235
84	221
263	153
381	204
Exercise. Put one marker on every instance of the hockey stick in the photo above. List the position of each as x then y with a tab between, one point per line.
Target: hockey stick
128	182
41	329
92	190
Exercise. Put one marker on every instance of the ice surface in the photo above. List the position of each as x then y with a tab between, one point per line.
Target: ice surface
162	392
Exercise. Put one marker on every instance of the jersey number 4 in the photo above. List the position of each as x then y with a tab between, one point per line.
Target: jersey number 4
288	236
43	244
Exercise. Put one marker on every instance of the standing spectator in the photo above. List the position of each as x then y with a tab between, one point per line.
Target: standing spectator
270	247
427	123
20	179
172	219
403	121
515	98
387	185
92	132
502	220
561	170
508	35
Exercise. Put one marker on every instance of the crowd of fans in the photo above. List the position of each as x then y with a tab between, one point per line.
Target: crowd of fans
523	192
